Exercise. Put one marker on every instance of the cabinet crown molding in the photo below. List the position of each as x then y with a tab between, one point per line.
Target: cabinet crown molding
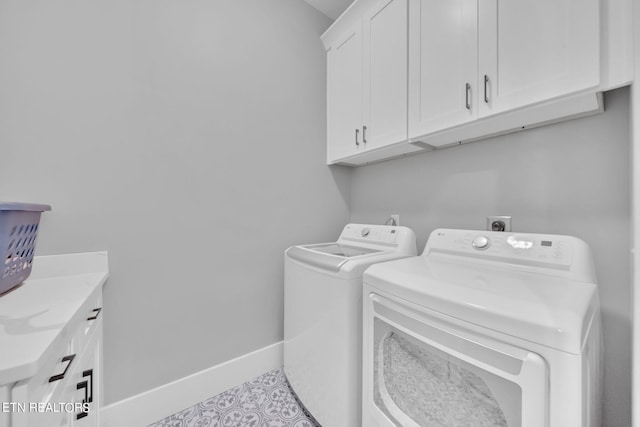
350	17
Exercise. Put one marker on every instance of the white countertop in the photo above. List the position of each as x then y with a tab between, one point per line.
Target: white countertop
34	316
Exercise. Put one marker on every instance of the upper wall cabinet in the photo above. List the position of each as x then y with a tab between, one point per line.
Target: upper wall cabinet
406	75
367	82
344	95
443	73
385	73
470	59
530	51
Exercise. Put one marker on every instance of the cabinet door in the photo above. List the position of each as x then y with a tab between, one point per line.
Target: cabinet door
443	64
385	73
344	96
87	382
531	51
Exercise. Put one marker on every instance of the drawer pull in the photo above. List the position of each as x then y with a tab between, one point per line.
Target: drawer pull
58	377
95	316
83	385
89	373
486	95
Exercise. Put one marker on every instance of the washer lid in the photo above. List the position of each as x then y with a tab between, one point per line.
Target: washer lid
555	312
329	256
340	249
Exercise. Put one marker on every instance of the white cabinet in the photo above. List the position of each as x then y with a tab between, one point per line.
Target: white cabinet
443	64
344	95
86	383
50	366
407	75
531	51
472	59
367	81
80	387
385	74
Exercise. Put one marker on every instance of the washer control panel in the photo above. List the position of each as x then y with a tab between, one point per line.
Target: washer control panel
371	233
508	247
384	238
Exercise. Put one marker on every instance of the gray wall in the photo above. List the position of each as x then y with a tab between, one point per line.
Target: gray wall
569	178
187	139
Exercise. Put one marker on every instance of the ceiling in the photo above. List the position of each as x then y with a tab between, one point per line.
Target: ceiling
331	8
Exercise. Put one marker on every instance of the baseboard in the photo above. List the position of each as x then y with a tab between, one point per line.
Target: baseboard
158	403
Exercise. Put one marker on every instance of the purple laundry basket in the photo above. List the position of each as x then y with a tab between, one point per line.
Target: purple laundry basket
18	230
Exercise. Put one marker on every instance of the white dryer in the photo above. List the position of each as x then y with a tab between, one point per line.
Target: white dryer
323	317
484	329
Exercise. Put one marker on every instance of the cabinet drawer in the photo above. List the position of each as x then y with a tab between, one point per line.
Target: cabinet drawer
91	314
48	386
43	385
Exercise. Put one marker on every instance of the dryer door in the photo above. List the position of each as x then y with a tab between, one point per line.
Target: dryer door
420	370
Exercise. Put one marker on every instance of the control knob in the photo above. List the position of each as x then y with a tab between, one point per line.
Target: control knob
481	242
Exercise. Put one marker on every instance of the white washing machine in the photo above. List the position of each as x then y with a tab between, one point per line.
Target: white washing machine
484	329
323	317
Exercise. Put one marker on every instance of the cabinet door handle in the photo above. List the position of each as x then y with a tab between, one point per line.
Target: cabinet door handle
486	93
83	385
89	373
357	132
364	134
96	311
467	96
58	377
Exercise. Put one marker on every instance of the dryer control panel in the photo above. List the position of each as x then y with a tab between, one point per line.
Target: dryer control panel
542	250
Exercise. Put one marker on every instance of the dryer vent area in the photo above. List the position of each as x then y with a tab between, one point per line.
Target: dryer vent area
417	384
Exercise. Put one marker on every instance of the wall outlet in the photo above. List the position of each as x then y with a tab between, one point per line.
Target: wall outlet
499	223
396	218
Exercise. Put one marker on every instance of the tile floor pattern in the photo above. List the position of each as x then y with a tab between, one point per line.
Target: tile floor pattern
265	401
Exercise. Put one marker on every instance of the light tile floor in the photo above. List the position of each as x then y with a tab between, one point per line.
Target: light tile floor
265	401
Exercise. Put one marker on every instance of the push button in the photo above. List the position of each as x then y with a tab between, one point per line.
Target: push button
481	242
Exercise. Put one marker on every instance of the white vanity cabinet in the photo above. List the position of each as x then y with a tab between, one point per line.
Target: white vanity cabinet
51	340
472	59
367	81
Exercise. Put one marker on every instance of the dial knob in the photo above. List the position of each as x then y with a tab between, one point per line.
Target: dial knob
365	232
481	242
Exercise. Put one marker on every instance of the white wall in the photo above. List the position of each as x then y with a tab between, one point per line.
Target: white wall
187	139
569	178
